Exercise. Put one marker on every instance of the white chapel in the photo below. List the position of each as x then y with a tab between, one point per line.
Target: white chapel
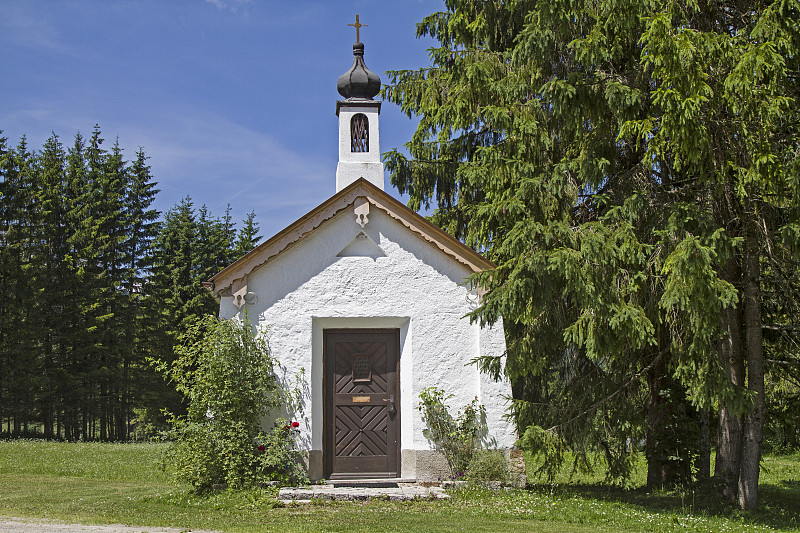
368	299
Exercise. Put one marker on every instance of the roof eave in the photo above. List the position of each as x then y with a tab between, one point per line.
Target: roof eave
295	232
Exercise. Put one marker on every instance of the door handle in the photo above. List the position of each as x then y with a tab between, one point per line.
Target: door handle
390	401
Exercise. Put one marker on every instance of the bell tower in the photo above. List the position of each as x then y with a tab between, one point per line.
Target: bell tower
359	138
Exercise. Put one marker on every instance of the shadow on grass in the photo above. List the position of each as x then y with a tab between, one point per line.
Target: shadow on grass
779	502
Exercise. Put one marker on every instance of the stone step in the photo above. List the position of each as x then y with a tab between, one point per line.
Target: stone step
375	483
360	492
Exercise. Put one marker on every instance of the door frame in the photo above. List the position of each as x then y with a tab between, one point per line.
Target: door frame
329	428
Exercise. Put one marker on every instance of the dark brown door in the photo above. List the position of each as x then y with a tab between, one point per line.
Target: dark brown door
361	387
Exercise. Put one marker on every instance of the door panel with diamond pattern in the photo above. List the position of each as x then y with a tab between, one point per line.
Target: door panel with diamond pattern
362	424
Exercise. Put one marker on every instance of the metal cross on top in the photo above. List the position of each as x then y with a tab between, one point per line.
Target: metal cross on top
358	27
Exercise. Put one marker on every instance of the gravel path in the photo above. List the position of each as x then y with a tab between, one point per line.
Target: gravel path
21	525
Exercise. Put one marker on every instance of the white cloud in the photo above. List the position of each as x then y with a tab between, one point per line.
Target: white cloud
218	162
22	27
199	154
232	5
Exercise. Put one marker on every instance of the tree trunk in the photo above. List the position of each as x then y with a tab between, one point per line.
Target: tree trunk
729	434
69	425
667	462
754	421
46	392
654	474
704	447
103	412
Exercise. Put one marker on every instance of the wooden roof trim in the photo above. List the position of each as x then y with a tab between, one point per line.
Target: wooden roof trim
431	233
278	243
292	234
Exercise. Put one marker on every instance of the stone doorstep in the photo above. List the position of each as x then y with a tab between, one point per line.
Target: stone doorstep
361	490
378	483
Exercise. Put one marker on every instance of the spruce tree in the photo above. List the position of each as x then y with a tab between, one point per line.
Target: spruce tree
227	238
6	267
14	190
172	275
88	365
19	268
247	237
629	167
142	385
55	282
116	338
175	292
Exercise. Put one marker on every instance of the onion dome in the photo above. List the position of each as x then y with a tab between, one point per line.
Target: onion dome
359	81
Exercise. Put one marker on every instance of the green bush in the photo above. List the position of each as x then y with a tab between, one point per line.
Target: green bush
278	457
147	422
227	375
457	438
488	465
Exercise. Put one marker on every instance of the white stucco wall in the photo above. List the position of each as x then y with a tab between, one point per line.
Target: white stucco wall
354	165
414	287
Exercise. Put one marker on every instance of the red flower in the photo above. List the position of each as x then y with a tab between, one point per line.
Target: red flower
261	448
287	426
295	424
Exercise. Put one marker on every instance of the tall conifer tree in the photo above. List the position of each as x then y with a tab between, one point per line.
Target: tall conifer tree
19	264
628	166
6	267
247	237
139	379
55	282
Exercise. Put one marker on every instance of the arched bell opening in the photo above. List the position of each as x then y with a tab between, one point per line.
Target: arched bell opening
359	133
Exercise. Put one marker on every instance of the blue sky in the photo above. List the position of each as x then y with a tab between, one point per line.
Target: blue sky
233	100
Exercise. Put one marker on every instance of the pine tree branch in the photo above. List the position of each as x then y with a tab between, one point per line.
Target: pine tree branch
611	396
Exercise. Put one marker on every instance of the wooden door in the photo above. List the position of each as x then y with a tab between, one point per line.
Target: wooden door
362	401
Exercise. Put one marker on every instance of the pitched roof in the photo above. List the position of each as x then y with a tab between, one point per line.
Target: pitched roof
340	201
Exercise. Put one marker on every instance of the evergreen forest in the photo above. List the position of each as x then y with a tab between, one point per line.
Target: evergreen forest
95	284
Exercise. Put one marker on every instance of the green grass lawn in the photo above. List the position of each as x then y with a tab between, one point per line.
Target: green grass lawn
121	483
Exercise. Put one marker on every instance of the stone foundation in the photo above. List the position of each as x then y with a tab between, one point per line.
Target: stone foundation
427	466
314	464
517	475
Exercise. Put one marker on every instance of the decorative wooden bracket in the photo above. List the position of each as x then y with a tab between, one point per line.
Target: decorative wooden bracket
474	295
240	294
361	211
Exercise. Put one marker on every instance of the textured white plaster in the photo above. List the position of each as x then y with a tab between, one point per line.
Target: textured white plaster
496	395
354	165
348	172
415	288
